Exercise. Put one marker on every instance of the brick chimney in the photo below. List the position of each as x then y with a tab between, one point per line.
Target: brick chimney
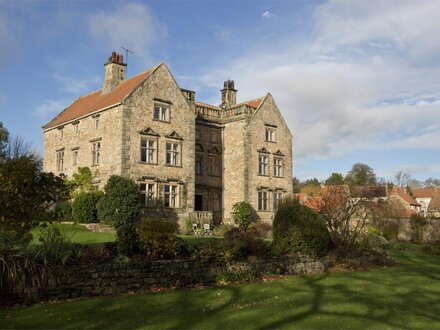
115	70
229	94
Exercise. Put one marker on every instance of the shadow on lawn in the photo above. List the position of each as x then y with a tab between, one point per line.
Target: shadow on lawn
398	297
402	297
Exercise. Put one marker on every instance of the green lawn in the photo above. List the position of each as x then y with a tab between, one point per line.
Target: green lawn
79	234
406	296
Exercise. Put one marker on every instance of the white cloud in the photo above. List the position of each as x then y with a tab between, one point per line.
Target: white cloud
358	85
267	15
132	26
48	108
76	86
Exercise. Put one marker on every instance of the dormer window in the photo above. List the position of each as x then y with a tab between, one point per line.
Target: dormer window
161	112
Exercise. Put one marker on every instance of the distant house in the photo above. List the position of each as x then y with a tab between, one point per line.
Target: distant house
410	204
429	200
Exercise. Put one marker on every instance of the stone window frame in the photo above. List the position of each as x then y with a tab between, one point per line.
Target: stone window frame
214	165
60	160
278	169
199	164
263	204
214	200
270	135
75	154
75	127
178	158
214	135
277	196
162	111
61	133
263	164
171	197
155	141
95	147
96	121
148	193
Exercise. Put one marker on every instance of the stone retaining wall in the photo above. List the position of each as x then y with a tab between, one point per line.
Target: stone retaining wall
113	278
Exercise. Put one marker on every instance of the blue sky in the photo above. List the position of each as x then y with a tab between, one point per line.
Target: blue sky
357	81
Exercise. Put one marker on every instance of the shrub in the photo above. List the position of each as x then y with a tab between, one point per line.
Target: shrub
244	214
239	244
84	207
26	193
158	240
19	270
188	229
55	248
297	228
418	224
63	211
220	230
390	230
264	229
120	208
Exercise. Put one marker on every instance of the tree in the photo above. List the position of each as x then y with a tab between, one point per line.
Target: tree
361	175
402	179
244	215
296	185
26	194
4	138
121	208
334	179
311	187
297	228
344	216
12	147
81	181
432	183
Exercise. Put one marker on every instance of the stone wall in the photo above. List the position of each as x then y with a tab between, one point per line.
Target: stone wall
268	116
107	132
111	278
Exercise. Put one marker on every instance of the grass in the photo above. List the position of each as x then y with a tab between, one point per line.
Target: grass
194	241
79	234
406	296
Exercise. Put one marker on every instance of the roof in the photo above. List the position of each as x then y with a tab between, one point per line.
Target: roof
252	103
97	100
400	192
435	201
423	192
314	203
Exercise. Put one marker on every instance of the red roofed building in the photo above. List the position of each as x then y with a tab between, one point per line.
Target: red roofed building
185	155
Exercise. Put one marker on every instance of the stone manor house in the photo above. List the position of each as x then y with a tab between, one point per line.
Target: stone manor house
189	158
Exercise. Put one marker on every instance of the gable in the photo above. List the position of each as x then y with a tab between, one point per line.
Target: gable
173	135
268	105
148	131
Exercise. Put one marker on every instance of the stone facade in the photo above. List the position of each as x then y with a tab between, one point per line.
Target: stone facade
185	155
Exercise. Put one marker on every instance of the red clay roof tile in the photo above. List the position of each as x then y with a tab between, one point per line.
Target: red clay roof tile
423	192
97	100
404	195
